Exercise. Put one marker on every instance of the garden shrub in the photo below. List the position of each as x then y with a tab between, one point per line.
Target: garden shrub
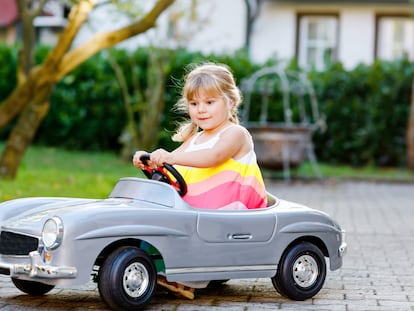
8	63
366	108
86	110
366	111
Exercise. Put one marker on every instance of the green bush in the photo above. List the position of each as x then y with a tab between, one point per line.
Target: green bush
86	110
366	111
8	63
8	67
366	108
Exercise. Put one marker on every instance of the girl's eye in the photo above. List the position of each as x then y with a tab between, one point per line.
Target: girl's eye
210	102
192	104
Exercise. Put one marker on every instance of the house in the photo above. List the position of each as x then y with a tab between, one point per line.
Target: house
313	31
48	24
8	20
351	31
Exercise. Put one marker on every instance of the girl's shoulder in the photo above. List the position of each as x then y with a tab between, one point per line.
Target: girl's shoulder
237	129
238	135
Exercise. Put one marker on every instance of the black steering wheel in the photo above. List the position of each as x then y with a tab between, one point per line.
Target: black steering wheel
161	174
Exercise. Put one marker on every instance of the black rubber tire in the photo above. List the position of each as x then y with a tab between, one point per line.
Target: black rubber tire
291	282
127	279
32	288
215	283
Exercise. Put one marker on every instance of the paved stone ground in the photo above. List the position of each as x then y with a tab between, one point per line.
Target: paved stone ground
378	270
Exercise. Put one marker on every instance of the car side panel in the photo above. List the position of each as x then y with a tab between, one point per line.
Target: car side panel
226	244
228	227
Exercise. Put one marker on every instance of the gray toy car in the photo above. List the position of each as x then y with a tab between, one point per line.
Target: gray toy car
144	227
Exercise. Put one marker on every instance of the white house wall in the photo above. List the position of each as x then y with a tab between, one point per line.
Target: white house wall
356	38
274	32
224	28
220	27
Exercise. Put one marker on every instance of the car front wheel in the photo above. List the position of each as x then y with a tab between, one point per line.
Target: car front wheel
32	288
127	279
301	272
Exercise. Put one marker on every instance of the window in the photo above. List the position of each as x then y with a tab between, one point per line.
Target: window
53	15
317	44
395	38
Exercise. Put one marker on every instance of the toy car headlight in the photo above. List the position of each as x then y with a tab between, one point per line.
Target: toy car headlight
52	233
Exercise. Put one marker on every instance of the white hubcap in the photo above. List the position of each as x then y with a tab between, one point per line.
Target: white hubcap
305	271
136	279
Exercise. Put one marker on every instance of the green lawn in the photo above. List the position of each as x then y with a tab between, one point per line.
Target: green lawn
54	172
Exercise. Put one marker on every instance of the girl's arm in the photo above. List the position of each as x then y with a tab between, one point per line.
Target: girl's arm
233	143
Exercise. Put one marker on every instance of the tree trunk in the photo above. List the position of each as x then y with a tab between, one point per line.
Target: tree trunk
154	97
410	133
30	99
23	133
129	138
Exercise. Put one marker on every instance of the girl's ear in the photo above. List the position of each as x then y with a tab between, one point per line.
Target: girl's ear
230	102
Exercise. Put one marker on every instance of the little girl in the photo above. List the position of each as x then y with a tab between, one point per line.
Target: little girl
218	163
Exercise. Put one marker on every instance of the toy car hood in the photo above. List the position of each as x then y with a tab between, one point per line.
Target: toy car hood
28	215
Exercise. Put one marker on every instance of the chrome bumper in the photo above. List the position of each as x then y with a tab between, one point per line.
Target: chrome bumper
39	270
342	248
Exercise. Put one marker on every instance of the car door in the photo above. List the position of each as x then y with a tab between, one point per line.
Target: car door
230	237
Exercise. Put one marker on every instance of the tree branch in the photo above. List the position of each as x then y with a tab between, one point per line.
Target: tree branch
104	40
58	64
46	72
38	10
77	18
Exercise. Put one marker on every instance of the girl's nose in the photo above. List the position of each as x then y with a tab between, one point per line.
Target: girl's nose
201	107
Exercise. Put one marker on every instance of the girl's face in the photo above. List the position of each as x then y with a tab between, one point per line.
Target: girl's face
209	111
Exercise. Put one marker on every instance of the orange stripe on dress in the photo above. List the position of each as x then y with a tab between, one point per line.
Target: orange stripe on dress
225	194
222	178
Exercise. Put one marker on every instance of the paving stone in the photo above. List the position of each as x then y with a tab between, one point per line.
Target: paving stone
377	275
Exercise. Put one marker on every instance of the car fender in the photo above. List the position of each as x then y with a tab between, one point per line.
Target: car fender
130	230
307	227
329	235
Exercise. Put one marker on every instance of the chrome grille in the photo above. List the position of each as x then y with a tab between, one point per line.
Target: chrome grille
17	244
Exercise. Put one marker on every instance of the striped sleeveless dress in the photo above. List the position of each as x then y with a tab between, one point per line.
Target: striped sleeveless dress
234	184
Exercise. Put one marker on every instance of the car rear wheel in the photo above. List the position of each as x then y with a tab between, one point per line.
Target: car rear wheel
32	288
215	283
127	279
301	272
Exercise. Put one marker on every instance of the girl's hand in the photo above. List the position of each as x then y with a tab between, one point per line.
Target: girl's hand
136	159
161	156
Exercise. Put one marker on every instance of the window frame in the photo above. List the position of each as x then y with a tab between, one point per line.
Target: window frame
299	35
377	39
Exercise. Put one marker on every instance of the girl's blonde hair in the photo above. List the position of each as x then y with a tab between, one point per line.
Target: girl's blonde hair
211	78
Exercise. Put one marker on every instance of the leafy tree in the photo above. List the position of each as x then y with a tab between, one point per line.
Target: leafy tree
29	102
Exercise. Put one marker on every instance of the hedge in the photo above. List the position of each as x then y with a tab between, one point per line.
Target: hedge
367	112
366	108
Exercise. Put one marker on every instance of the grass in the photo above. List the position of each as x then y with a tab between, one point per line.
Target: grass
54	172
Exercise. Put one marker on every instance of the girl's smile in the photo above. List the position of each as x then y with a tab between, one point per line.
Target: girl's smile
209	112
